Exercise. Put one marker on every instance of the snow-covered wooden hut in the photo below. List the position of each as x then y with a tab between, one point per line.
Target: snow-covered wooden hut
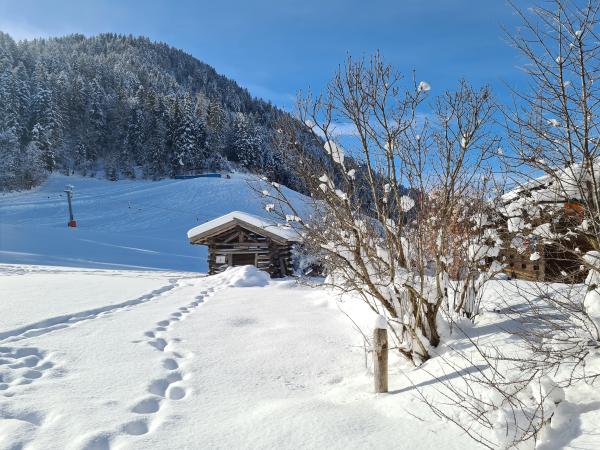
239	239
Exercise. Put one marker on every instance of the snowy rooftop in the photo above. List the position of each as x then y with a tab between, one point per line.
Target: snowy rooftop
563	185
251	221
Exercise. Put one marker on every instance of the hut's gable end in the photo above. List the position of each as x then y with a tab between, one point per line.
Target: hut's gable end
237	246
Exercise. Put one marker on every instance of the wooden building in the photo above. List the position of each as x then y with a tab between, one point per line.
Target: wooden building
238	239
541	259
552	212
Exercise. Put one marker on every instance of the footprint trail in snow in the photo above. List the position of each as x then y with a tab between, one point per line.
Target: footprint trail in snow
170	387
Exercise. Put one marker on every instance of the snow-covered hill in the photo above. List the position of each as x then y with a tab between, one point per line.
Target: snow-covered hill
122	224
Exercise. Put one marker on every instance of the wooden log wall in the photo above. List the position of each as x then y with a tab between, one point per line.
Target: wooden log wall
522	267
270	256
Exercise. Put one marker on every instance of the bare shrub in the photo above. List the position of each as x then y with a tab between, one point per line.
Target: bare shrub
385	199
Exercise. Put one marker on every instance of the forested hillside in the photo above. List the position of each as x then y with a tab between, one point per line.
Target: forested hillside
124	107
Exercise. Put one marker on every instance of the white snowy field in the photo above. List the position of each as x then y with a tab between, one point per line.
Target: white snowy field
178	361
121	224
167	360
112	338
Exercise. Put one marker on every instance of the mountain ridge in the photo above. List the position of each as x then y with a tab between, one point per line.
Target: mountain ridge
128	107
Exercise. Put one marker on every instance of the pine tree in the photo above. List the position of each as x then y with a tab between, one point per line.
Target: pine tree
9	106
96	125
246	145
9	162
19	167
216	131
41	141
155	138
22	96
31	166
187	145
133	144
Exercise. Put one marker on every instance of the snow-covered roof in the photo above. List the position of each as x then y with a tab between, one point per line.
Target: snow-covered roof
564	184
535	183
250	221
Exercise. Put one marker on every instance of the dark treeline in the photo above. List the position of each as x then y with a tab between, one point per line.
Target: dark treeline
125	107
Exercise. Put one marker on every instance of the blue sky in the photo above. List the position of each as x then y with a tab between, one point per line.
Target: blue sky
274	48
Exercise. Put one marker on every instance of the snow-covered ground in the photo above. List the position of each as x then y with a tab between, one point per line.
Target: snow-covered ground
110	338
191	362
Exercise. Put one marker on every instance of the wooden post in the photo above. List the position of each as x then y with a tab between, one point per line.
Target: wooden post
380	360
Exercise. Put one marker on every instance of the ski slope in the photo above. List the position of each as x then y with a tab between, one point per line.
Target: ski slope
121	224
